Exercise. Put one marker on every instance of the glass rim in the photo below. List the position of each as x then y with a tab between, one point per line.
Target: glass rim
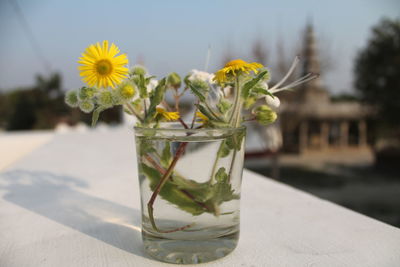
163	129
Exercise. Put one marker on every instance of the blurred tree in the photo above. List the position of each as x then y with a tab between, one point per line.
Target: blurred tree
22	115
42	106
377	71
260	51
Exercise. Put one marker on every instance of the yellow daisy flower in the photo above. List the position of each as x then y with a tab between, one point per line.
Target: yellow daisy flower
101	66
233	67
203	118
169	116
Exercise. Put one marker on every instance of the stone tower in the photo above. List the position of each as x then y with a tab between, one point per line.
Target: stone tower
311	91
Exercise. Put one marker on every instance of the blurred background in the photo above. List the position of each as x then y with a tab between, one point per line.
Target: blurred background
338	137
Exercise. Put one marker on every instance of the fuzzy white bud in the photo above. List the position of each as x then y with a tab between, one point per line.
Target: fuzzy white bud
272	102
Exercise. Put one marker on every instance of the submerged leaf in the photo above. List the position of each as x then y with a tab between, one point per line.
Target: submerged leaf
145	147
222	190
223	150
166	155
171	192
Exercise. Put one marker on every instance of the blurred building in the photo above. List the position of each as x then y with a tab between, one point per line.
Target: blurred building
311	121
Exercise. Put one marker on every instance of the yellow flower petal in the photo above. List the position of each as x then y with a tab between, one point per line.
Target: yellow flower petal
233	67
203	118
101	66
169	116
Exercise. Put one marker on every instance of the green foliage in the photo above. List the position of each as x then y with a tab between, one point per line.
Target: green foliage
96	114
248	86
222	190
223	150
205	112
200	85
155	99
174	80
105	99
197	92
224	105
126	91
249	102
259	91
211	195
166	155
86	93
42	106
170	192
86	106
138	70
71	98
235	141
265	115
141	83
144	147
377	71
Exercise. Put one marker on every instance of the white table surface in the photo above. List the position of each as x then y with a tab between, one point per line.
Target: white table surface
74	201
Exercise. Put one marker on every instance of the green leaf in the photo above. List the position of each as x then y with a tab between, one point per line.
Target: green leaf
171	192
145	147
219	124
261	91
250	84
142	87
197	93
249	102
221	176
222	190
155	99
148	79
166	155
235	141
224	105
223	150
205	112
96	114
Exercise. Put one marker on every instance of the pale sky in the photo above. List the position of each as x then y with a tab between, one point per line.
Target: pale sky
174	35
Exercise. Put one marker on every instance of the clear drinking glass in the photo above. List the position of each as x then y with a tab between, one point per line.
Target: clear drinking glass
190	182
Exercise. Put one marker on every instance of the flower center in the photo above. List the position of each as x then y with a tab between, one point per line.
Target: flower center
104	67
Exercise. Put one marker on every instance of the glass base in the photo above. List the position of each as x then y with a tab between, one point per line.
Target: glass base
189	251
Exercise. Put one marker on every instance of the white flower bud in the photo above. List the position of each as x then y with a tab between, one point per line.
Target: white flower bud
202	76
272	102
152	85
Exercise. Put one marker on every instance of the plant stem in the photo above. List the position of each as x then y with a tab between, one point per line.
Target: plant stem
145	107
237	106
162	171
214	168
232	164
159	186
194	116
183	123
236	101
131	109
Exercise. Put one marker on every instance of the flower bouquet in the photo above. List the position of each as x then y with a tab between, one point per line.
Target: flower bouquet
189	169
